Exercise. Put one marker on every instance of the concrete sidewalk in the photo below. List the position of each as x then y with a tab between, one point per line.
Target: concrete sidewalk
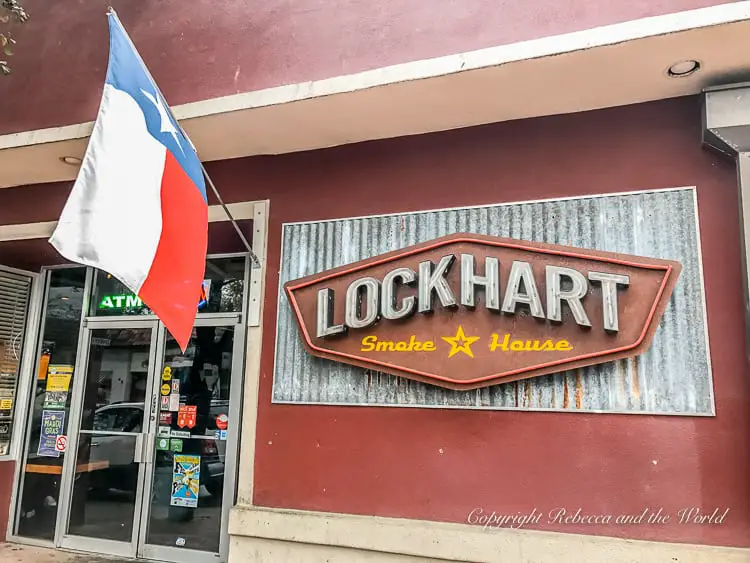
15	553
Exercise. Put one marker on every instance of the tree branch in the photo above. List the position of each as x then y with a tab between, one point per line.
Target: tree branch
9	10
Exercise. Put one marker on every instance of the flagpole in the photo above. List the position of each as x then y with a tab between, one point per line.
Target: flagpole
253	257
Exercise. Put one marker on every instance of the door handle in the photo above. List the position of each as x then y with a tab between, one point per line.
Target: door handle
138	453
144	448
149	444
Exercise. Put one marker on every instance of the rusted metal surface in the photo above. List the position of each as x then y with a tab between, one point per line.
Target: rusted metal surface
466	336
672	377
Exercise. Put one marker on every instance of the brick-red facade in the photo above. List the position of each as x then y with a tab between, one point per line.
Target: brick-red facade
441	464
204	49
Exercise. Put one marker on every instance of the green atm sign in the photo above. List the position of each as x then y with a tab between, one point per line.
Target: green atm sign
127	301
132	301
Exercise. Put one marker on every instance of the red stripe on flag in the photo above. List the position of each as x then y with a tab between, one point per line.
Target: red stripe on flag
173	286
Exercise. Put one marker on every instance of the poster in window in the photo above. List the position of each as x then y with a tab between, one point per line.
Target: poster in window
186	481
6	403
52	426
55	400
4	437
59	377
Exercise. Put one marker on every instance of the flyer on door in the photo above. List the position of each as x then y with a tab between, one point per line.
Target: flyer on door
52	427
186	481
58	378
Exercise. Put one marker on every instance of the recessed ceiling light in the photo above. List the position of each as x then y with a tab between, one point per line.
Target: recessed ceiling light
683	68
71	160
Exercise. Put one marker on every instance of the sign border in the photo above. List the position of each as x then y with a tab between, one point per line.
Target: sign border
671	270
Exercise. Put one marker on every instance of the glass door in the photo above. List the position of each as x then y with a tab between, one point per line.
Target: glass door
106	475
155	434
115	462
195	429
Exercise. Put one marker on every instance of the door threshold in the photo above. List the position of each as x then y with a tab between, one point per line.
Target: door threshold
24	553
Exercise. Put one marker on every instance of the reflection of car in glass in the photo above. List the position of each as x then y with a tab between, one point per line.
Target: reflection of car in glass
111	457
218	448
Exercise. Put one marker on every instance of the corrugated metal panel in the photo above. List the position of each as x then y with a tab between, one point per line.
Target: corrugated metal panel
672	377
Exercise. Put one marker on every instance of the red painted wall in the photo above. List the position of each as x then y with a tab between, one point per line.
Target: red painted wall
207	48
388	461
441	464
6	485
32	254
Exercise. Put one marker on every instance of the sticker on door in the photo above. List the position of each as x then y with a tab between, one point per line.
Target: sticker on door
186	481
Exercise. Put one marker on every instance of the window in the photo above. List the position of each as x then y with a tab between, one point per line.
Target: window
223	291
15	292
39	488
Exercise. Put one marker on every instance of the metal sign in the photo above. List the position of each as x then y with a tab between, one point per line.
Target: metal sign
467	311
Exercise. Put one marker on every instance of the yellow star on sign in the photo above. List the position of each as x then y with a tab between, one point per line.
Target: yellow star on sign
460	343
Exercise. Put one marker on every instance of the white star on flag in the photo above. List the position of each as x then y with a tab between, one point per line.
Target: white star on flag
166	123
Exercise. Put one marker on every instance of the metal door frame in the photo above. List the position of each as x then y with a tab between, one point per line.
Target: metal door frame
164	553
62	537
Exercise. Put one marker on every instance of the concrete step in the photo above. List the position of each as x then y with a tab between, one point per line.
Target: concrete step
16	553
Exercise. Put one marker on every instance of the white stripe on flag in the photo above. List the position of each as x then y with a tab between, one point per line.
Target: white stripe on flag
112	220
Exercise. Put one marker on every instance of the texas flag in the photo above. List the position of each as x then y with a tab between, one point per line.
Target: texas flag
138	208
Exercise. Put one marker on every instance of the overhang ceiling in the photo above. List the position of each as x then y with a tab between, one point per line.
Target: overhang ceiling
608	66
